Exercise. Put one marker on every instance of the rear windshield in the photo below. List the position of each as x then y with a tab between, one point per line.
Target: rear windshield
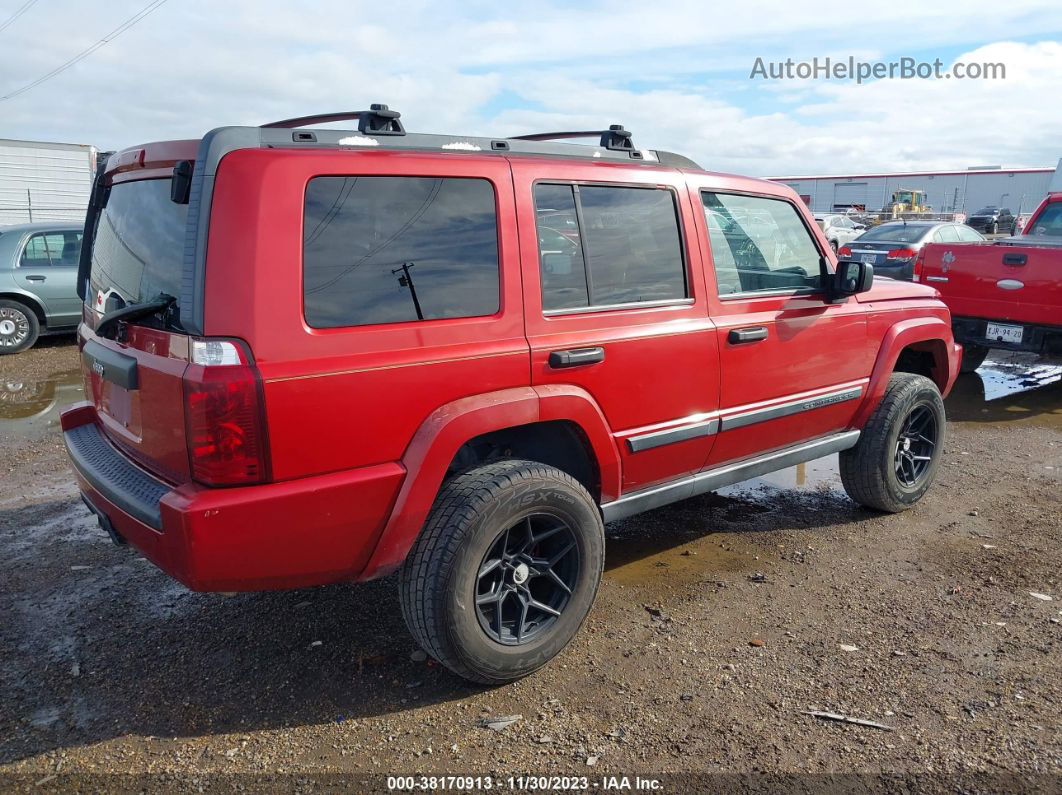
1049	224
898	233
138	247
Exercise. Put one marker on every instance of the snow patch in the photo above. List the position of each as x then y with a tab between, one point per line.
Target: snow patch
358	140
464	146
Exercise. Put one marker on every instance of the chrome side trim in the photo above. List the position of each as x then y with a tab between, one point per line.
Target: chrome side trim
582	310
713	479
647	441
936	278
792	407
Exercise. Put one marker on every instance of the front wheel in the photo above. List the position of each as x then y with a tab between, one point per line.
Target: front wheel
899	449
504	571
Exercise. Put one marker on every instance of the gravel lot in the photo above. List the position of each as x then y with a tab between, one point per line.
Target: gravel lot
720	621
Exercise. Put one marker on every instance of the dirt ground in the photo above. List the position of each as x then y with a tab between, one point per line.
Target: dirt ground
720	622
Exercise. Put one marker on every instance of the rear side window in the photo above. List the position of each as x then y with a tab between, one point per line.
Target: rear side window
396	249
759	245
51	249
947	234
1049	224
605	245
968	235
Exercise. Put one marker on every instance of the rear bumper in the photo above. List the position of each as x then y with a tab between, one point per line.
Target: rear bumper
293	534
1037	338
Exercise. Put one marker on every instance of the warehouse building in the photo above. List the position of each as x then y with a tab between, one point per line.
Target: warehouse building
1018	189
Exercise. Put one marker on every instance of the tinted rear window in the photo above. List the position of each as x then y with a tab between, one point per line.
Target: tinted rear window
138	248
896	233
395	249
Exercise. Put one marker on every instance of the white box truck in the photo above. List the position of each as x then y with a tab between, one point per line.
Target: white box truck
42	181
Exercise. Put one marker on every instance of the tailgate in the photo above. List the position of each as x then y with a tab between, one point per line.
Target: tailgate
137	390
998	282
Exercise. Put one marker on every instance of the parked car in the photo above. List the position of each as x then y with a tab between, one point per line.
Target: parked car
1007	295
892	247
839	229
358	360
38	282
992	220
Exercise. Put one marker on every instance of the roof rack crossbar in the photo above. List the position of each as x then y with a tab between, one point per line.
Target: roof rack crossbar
378	120
615	137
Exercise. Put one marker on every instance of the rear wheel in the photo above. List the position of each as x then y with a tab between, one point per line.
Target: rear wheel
833	245
504	571
973	356
900	447
19	327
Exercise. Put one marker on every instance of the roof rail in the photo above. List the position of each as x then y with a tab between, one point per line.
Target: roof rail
615	137
378	120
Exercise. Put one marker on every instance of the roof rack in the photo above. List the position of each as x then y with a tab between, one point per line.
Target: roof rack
377	120
615	137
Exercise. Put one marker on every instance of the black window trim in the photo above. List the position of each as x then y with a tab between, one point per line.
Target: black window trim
495	315
824	261
627	305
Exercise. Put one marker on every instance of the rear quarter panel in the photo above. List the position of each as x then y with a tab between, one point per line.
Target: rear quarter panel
347	397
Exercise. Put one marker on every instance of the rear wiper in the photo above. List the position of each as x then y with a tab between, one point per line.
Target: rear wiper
110	321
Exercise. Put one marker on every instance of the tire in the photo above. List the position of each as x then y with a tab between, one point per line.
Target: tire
869	470
973	356
19	327
991	229
833	245
444	592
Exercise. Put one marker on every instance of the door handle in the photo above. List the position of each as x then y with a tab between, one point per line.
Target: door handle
739	336
35	278
1015	259
576	357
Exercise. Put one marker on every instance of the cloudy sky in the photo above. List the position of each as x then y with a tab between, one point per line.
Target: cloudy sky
676	72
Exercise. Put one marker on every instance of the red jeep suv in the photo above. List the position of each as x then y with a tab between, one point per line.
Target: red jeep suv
316	356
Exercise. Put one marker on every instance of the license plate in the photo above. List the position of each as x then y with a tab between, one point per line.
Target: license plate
1000	333
869	259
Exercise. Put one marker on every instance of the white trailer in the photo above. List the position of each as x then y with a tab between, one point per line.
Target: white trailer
42	181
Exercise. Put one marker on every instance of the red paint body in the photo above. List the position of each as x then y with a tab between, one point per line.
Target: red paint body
363	423
1008	283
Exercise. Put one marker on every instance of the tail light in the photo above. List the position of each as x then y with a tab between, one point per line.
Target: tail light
916	275
225	415
902	253
844	251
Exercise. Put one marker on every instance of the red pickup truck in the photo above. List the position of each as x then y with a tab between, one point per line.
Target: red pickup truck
1004	295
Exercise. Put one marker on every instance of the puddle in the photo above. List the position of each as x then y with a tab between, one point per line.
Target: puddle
639	560
821	476
1009	388
29	410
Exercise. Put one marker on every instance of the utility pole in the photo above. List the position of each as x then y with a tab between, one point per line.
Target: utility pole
406	280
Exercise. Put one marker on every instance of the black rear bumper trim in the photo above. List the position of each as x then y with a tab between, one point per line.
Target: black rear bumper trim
117	479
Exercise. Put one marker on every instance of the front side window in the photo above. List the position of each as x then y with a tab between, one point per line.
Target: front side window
51	249
759	244
396	249
604	245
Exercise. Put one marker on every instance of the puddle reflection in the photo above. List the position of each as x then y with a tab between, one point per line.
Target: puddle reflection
30	409
1008	388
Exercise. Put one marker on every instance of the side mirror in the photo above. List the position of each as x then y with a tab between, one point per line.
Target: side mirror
860	227
849	279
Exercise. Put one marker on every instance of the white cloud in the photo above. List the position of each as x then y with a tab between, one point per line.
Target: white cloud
674	72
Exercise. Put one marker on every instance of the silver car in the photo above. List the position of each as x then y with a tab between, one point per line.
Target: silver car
38	282
838	228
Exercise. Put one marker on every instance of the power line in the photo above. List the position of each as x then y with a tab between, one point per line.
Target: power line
118	31
25	7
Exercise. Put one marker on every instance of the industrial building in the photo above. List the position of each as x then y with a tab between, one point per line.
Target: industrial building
44	181
1018	189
